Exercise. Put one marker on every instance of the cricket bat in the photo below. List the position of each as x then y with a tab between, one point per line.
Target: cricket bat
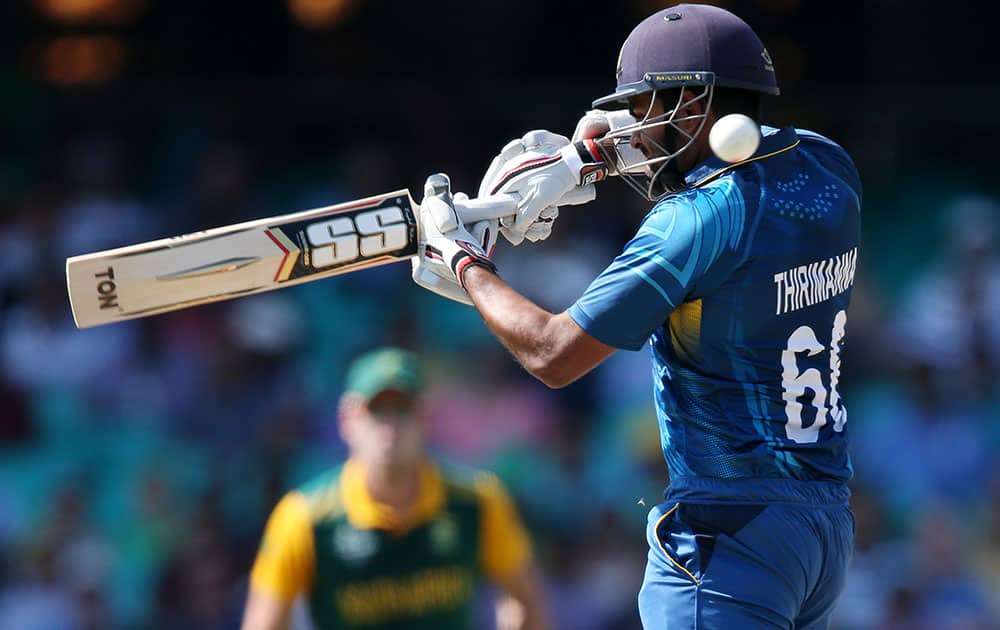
252	257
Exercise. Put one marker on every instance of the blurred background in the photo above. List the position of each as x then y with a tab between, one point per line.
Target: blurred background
139	461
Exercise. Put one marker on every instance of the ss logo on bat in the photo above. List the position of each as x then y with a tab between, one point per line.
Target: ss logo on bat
344	239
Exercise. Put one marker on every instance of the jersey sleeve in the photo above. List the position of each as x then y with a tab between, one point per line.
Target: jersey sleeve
286	560
504	547
682	244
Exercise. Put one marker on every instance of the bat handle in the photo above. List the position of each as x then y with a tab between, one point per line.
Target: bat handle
485	208
500	206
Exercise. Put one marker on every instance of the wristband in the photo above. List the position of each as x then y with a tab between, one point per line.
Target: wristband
470	255
584	160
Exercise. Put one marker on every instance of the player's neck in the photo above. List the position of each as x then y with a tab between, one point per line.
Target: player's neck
396	487
699	152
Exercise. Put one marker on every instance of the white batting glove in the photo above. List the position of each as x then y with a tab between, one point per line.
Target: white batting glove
594	124
540	141
447	248
598	123
544	170
426	271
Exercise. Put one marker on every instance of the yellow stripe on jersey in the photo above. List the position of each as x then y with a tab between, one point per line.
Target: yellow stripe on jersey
685	329
325	502
365	512
504	547
286	562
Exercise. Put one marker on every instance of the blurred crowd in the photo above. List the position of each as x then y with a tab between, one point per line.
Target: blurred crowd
139	460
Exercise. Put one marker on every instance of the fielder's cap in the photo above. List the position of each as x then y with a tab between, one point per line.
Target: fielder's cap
691	44
382	370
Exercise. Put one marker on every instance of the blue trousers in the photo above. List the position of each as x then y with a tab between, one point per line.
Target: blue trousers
746	554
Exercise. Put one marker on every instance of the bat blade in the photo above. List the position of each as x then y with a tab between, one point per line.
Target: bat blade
242	259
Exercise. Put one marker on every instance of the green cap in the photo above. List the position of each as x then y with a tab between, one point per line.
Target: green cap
384	369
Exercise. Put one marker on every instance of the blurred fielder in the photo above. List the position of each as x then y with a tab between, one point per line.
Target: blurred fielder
739	279
390	539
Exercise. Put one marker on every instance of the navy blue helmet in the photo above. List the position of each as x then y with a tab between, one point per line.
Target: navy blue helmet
694	46
691	44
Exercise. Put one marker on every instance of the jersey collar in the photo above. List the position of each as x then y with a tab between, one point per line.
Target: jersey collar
775	141
365	512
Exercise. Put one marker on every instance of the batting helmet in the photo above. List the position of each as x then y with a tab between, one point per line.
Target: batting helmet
690	44
693	46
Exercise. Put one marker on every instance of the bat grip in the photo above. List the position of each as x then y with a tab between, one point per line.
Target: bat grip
485	208
503	205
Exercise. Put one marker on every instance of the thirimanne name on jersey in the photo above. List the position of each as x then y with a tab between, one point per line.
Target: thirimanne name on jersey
810	284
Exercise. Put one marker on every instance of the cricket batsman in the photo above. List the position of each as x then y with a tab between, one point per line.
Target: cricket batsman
391	540
738	280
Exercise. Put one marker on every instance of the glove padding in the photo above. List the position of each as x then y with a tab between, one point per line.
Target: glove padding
544	170
446	246
596	124
593	125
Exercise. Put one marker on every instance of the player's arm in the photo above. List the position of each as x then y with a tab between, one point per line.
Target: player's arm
284	566
680	248
681	245
264	611
542	170
523	605
506	559
553	348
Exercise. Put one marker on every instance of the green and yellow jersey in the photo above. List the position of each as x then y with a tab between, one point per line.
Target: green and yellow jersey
363	564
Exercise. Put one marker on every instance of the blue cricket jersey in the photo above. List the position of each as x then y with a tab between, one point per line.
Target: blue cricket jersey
741	285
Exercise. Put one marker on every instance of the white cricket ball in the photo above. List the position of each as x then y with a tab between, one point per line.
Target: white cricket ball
734	137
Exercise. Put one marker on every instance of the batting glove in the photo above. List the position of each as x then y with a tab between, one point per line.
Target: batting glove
447	248
593	125
544	170
611	131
